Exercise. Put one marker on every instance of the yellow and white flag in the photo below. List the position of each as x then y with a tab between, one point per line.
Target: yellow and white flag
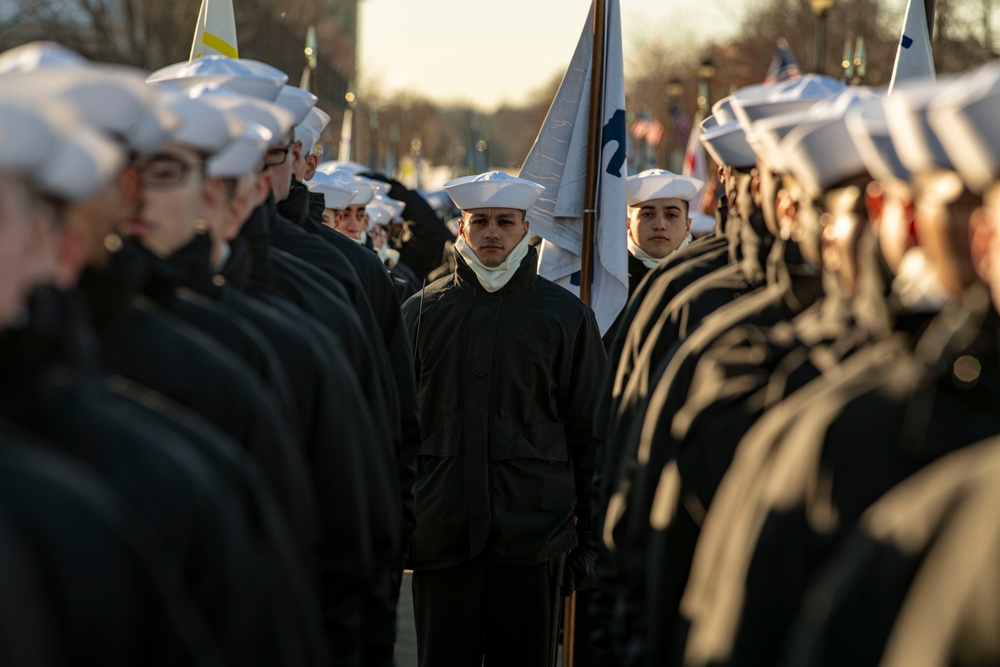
215	33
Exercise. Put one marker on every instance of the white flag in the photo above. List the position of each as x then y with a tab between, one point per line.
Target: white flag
558	160
695	160
215	33
913	56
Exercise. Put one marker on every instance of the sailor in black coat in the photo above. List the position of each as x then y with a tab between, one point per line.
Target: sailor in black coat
659	223
889	410
197	513
338	419
115	595
911	584
73	526
506	364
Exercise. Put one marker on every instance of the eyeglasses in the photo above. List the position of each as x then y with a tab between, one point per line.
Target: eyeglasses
277	156
166	171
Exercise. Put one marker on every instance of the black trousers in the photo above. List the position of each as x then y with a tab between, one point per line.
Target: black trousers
483	613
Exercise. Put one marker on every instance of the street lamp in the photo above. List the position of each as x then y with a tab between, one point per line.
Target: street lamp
820	9
706	72
675	88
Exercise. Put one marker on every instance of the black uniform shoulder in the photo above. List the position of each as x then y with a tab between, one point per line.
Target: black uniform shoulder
560	302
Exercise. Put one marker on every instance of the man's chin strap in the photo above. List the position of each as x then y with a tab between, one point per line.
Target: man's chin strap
493	278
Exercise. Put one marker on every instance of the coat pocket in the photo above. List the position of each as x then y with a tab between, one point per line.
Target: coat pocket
439	444
546	442
439	502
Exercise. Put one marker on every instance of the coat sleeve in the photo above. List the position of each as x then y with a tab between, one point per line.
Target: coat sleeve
581	379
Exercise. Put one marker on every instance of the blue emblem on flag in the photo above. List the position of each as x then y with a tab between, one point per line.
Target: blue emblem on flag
614	130
907	42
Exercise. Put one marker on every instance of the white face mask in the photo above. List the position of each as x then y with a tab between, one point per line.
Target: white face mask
495	277
648	260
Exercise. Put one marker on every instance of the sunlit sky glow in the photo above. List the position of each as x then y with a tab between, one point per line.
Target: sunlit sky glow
490	52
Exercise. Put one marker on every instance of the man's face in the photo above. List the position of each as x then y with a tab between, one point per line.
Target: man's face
659	226
985	243
352	221
242	204
492	233
891	211
943	210
841	233
173	195
330	217
26	258
109	212
216	212
281	163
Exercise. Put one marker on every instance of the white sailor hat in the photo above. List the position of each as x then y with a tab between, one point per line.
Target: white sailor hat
307	136
394	206
869	129
916	143
36	56
727	144
276	119
493	189
243	75
112	99
378	214
724	138
964	118
311	129
27	132
722	110
381	187
383	211
243	155
661	184
701	224
82	162
438	200
331	166
297	101
317	119
204	127
57	153
820	153
766	135
365	189
782	98
337	195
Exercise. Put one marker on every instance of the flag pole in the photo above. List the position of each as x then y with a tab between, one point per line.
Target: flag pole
593	150
929	12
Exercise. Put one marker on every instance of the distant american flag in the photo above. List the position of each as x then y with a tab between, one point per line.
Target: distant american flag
648	129
783	66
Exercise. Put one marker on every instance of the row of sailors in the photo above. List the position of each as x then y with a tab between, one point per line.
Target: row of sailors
208	415
801	413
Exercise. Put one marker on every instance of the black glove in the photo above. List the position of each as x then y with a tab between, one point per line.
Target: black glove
581	566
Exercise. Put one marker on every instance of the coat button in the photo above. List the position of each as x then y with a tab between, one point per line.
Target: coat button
966	370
